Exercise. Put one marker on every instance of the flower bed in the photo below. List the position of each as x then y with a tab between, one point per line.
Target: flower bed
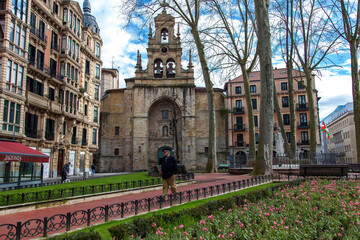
314	209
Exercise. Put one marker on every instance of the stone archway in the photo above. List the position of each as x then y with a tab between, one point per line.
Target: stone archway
165	129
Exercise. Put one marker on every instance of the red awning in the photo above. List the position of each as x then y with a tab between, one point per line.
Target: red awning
17	152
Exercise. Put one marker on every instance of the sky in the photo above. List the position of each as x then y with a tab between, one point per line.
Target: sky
120	48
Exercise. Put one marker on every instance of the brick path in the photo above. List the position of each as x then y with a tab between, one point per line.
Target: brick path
202	180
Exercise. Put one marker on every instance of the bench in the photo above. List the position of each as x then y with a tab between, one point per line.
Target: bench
323	170
224	166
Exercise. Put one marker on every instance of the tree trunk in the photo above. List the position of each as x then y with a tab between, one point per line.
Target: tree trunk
211	165
313	122
252	142
263	162
292	151
356	94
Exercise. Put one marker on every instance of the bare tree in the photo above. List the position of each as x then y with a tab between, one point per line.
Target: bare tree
347	27
235	38
263	162
189	11
313	42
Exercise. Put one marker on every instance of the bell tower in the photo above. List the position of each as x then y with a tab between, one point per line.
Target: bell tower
164	55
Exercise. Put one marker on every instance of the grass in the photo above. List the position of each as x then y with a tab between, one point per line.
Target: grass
113	179
103	228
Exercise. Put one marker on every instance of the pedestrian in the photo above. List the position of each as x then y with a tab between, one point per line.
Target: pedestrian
169	168
65	171
93	169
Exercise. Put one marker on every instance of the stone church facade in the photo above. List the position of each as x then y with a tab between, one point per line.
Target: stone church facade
160	108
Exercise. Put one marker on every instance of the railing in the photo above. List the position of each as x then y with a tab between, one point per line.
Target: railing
49	136
239	110
81	218
303	124
248	161
240	144
304	142
239	127
37	33
20	198
32	133
302	106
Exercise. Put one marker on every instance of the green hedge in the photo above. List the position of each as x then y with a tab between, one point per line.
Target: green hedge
92	235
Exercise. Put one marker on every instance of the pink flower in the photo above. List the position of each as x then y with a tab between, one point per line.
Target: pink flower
202	222
153	225
230	210
185	233
181	226
204	229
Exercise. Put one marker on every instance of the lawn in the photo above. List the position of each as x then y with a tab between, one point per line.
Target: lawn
85	183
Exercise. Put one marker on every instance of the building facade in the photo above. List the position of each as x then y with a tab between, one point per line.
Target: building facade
238	118
50	81
341	126
160	108
109	79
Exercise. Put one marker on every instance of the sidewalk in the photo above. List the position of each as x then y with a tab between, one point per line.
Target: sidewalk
202	180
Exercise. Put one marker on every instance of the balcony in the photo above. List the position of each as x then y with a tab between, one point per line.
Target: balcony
49	136
240	144
37	100
239	110
302	106
38	34
304	142
239	127
302	125
32	133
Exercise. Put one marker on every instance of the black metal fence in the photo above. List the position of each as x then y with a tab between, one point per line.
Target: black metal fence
19	198
248	161
81	218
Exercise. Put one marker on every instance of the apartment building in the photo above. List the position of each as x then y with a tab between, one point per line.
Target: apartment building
238	118
341	126
50	56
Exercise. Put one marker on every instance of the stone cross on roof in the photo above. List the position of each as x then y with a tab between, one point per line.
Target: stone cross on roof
164	5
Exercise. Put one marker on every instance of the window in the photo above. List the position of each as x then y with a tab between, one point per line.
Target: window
65	16
86	86
85	109
73	136
238	104
284	86
302	99
117	131
303	119
97	71
14	77
256	122
165	114
53	65
64	128
238	90
285	101
17	37
256	138
206	150
51	94
68	69
55	8
11	116
94	136
95	114
300	86
239	140
54	41
286	119
252	88
49	130
288	137
304	137
19	8
97	50
84	137
116	151
87	67
42	30
31	125
96	92
254	103
32	23
40	60
35	86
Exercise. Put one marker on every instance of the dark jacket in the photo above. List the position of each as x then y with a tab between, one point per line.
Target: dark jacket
169	167
65	169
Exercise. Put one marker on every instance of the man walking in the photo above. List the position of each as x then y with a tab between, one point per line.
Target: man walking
169	168
65	171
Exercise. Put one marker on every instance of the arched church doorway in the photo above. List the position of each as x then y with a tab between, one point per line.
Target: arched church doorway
165	129
241	157
160	153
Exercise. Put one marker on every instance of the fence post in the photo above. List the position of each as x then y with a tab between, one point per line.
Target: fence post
136	207
197	194
73	191
149	204
248	182
45	226
122	210
106	213
181	193
211	190
18	230
224	187
204	191
189	195
68	218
